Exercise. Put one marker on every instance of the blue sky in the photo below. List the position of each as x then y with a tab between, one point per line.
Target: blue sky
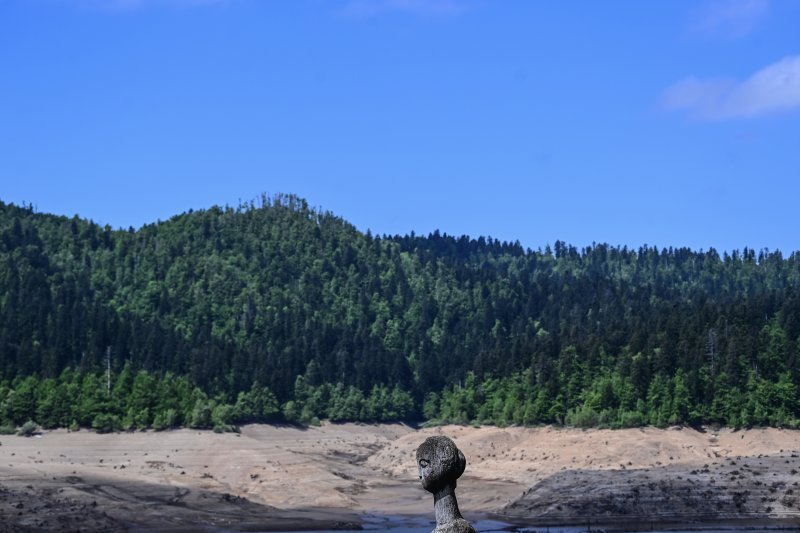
666	123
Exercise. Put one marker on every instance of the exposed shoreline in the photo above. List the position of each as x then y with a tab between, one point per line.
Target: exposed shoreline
284	478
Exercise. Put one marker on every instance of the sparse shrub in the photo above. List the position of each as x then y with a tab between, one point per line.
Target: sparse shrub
126	423
141	419
606	418
73	426
222	414
290	411
28	429
200	416
7	430
430	407
106	423
165	420
631	419
583	417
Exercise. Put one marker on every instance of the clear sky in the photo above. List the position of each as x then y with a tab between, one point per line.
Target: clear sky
667	123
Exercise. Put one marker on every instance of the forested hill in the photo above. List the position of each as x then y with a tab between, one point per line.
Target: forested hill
277	310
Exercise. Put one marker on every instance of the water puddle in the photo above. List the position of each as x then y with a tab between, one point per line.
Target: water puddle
407	524
404	524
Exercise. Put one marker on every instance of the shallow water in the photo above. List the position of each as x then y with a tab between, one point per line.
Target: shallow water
405	524
398	524
695	528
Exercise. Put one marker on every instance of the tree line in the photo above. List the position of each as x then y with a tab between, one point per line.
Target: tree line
133	400
282	301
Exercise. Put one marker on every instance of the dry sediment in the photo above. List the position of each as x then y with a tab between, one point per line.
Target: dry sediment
747	489
283	477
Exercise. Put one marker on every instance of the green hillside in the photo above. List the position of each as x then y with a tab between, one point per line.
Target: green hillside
273	310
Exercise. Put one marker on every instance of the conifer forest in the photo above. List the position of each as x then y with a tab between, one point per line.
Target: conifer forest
273	311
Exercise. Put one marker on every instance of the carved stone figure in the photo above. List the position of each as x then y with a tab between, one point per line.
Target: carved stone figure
440	464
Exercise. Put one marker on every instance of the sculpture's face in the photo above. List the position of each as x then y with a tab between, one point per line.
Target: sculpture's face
439	463
430	472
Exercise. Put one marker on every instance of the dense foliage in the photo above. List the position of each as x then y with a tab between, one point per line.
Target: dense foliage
277	310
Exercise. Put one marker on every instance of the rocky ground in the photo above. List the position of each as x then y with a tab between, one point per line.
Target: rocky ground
283	477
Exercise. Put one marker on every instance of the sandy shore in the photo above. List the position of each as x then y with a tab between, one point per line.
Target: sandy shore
283	478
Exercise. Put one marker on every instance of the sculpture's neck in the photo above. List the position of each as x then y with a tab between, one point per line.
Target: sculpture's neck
446	506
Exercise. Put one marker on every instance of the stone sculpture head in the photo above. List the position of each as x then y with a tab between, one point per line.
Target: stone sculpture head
440	463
